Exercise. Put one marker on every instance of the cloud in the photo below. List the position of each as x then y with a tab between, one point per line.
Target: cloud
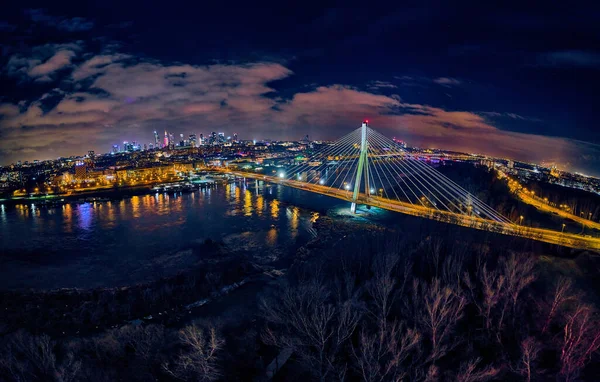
446	81
570	58
381	85
60	60
495	114
42	61
75	24
119	97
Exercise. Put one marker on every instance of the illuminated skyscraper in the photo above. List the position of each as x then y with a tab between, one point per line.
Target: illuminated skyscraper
156	139
235	138
115	149
166	141
80	170
192	140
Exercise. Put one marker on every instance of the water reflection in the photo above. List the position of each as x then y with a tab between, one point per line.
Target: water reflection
247	203
67	218
85	212
260	204
119	242
275	209
272	237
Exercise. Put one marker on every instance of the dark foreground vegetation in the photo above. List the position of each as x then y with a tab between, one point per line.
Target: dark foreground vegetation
357	304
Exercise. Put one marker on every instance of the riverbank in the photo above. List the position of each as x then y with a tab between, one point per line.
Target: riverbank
106	194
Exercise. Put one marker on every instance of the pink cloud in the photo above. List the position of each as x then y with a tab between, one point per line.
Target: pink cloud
139	98
59	61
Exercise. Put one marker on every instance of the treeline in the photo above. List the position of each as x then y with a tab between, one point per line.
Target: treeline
376	306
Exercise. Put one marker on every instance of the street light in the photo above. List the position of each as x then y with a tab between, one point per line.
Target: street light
521	219
563	228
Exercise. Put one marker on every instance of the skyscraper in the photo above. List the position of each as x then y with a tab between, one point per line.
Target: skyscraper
156	139
192	140
166	141
235	138
115	149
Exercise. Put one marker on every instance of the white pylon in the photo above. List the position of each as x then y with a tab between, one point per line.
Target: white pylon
363	166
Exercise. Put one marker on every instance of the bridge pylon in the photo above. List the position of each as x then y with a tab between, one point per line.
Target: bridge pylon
363	167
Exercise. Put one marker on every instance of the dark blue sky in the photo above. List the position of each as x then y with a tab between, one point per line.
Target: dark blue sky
518	80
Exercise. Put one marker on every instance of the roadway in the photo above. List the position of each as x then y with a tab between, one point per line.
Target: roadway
527	197
512	229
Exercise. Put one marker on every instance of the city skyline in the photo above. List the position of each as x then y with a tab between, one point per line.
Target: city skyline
79	78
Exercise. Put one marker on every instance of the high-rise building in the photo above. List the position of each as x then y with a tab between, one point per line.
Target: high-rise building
202	139
192	140
235	138
156	139
80	170
166	140
222	138
91	154
171	141
115	149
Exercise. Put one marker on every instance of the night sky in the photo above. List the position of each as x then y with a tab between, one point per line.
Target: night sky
518	81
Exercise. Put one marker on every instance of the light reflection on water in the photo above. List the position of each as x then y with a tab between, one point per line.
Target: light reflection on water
120	242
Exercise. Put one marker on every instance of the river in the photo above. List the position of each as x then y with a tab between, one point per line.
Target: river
117	243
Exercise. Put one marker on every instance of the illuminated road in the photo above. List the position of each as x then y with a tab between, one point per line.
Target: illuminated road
539	234
525	196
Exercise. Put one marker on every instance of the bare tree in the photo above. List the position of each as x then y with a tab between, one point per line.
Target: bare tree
486	292
562	294
24	357
529	353
468	372
580	340
305	319
381	356
437	311
518	274
383	288
199	360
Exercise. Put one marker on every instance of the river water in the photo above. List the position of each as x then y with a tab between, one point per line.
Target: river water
144	237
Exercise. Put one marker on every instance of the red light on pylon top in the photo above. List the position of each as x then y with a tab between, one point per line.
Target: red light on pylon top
367	121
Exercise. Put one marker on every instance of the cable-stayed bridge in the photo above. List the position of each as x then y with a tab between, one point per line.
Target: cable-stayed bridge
366	168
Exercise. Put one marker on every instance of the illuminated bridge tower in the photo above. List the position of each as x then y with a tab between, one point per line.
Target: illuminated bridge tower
363	167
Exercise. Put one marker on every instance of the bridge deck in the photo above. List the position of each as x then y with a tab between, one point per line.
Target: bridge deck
539	234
